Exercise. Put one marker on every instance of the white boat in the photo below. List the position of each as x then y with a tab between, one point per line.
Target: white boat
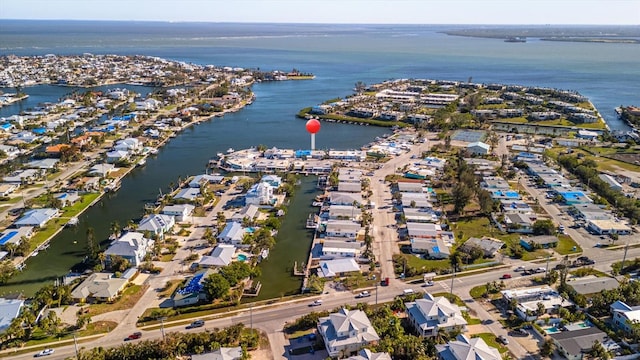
153	151
141	162
35	253
73	221
230	150
264	254
220	155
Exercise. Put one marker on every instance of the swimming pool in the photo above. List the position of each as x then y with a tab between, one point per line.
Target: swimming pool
551	330
242	257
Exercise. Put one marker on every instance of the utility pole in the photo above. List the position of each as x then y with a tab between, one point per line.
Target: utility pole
75	344
376	293
548	259
251	317
624	257
452	278
162	327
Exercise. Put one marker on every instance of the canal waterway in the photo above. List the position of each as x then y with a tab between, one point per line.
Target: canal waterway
269	120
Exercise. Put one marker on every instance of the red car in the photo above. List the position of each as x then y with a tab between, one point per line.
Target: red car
135	335
506	276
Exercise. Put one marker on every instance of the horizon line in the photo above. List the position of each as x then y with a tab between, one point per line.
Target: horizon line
317	23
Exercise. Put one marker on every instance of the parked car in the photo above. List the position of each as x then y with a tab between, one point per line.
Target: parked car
135	335
316	303
428	283
519	268
506	276
503	340
363	294
45	352
196	324
541	270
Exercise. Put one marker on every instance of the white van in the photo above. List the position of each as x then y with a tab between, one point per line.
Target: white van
406	292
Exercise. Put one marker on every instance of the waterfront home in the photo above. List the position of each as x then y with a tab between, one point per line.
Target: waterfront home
15	236
102	170
273	180
623	316
199	180
193	291
346	332
431	314
275	153
181	212
348	155
349	187
348	175
261	193
337	267
116	156
528	299
576	344
341	248
37	217
233	233
147	105
463	348
68	198
222	255
249	212
99	287
131	145
342	198
132	246
343	212
189	194
9	310
489	246
157	224
479	148
222	353
342	228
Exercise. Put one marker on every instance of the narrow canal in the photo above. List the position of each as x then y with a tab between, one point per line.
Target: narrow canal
269	120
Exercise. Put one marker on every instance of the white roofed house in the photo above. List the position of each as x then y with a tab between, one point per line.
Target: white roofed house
249	212
346	332
9	310
342	228
260	194
233	233
623	316
189	194
479	148
430	314
341	248
99	287
132	246
343	198
198	180
341	212
222	255
102	170
157	224
350	187
68	198
131	145
181	212
464	348
116	156
337	267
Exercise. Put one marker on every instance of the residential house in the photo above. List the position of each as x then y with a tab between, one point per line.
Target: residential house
420	215
9	310
349	187
102	170
416	200
222	255
198	180
189	194
181	212
435	248
624	315
273	180
346	332
479	148
132	246
414	187
27	176
342	228
528	299
223	353
341	248
463	348
102	287
43	164
260	194
68	198
130	145
431	314
543	241
519	223
593	285
193	291
574	345
342	212
14	236
157	224
249	212
343	198
116	156
7	189
36	217
337	267
489	246
233	233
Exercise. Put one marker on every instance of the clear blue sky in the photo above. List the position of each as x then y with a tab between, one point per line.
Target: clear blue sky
623	12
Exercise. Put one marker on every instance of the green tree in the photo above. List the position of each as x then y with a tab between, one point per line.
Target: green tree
92	245
216	286
461	195
544	227
548	348
7	269
235	272
598	351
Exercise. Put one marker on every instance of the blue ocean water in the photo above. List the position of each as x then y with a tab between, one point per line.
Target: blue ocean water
341	55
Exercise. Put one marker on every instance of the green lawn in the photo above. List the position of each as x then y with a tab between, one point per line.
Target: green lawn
127	300
566	245
428	265
453	298
478	291
490	339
